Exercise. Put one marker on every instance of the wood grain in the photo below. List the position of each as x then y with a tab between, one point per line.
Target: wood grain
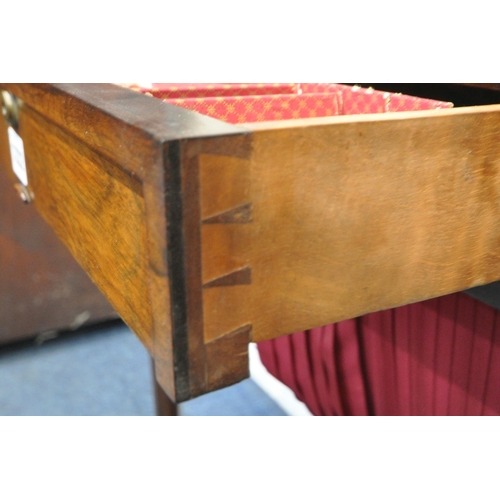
119	124
106	170
164	406
106	167
205	236
241	276
159	280
211	185
227	358
42	288
370	213
85	205
238	215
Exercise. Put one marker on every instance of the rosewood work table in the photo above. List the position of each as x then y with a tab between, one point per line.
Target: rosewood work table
206	235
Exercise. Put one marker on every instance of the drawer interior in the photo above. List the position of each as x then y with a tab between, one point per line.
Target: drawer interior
250	103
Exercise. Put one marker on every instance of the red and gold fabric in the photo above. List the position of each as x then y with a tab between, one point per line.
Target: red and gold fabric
263	108
251	102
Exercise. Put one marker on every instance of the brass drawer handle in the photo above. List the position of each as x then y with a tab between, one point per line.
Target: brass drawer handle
24	193
10	109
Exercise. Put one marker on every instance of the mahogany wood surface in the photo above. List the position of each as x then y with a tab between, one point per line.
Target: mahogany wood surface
105	170
42	288
387	210
164	406
84	204
206	236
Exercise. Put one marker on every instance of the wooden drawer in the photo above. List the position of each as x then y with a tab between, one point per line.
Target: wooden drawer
205	235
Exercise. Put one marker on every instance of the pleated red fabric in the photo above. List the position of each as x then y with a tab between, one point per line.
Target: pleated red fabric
438	357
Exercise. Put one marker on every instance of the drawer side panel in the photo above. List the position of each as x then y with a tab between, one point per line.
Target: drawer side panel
361	215
96	210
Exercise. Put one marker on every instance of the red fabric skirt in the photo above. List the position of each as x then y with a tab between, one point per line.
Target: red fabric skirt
438	357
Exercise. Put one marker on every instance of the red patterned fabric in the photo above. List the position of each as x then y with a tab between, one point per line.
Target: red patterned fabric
401	102
245	103
438	357
358	101
263	108
236	103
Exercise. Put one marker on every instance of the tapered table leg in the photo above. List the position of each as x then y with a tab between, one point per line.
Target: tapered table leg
165	407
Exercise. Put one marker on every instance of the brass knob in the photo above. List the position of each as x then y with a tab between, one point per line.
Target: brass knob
10	108
24	193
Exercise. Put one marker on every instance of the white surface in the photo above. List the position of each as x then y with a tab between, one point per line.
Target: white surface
278	391
17	156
